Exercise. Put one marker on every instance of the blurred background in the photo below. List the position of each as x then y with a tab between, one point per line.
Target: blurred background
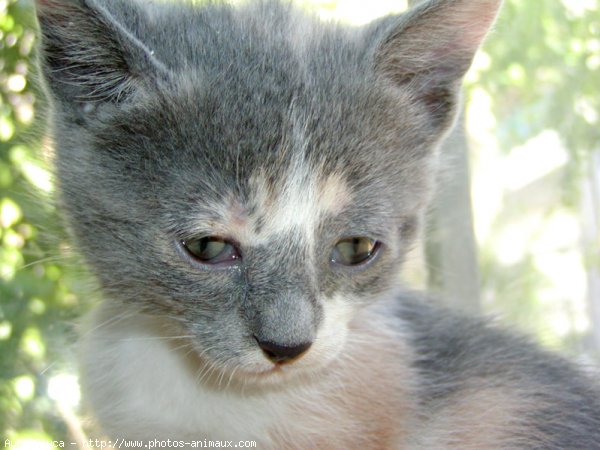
514	231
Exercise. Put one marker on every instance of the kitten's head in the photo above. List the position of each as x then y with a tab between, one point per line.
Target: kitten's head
250	173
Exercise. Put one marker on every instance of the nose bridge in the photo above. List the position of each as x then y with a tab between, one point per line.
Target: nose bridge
281	299
288	318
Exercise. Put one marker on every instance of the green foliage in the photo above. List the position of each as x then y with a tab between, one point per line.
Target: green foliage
544	71
36	302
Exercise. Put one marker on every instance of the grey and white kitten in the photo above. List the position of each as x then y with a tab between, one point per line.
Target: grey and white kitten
245	182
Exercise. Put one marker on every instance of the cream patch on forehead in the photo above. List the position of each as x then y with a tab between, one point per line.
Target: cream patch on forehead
298	201
295	203
333	194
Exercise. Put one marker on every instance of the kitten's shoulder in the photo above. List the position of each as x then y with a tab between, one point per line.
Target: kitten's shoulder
471	367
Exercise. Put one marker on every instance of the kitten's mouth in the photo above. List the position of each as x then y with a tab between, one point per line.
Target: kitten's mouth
276	370
258	372
275	374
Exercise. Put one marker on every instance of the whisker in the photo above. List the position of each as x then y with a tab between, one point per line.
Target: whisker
42	261
231	377
148	338
109	321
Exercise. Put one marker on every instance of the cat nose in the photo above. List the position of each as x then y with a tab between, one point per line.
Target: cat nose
280	354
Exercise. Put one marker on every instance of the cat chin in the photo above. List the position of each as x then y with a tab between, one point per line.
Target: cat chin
249	376
273	379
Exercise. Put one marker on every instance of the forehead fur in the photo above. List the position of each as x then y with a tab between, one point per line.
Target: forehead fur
291	197
268	123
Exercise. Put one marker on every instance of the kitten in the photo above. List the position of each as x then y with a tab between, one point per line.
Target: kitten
245	182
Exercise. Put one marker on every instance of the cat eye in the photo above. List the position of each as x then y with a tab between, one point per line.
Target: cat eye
211	250
354	251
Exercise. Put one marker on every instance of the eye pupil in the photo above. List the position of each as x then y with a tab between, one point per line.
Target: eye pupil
211	249
208	248
353	251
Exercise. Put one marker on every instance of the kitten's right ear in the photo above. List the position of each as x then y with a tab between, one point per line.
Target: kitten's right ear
88	57
430	49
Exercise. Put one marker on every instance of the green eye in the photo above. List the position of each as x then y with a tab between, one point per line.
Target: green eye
353	251
211	250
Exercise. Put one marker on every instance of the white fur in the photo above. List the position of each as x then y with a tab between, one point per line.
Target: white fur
143	386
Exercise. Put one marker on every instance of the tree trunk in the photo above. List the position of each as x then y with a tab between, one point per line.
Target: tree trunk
450	248
591	246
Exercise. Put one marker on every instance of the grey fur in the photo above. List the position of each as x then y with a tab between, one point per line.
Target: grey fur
162	111
454	350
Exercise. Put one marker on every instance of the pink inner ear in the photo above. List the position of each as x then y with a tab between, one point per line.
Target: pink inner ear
473	20
443	35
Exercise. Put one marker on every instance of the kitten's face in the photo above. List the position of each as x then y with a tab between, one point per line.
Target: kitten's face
253	177
279	235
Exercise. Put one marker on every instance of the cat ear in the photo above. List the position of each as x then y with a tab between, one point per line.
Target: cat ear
87	56
432	48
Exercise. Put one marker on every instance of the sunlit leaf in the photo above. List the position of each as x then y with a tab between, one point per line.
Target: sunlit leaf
32	343
5	330
10	213
24	387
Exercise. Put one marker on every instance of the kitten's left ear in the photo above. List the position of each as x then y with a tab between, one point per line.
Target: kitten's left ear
432	48
90	54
